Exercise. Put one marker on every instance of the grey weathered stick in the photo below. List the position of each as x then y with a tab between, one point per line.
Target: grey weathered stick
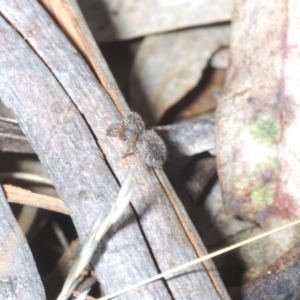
73	23
67	149
77	172
12	138
19	278
188	138
268	284
182	139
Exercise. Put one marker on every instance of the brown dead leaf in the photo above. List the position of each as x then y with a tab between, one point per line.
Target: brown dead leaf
168	66
112	20
220	60
205	102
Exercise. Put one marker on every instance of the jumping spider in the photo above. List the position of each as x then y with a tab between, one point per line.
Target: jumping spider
147	142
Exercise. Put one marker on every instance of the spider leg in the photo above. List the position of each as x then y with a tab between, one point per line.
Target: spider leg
131	146
122	133
114	129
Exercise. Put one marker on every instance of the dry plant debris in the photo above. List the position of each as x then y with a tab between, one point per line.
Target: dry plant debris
111	21
258	124
101	226
85	167
280	280
66	100
157	83
21	196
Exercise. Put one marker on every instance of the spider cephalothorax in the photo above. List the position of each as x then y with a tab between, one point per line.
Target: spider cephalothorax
147	142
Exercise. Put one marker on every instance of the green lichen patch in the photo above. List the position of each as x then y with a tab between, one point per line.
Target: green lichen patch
243	187
268	170
266	129
259	185
263	197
